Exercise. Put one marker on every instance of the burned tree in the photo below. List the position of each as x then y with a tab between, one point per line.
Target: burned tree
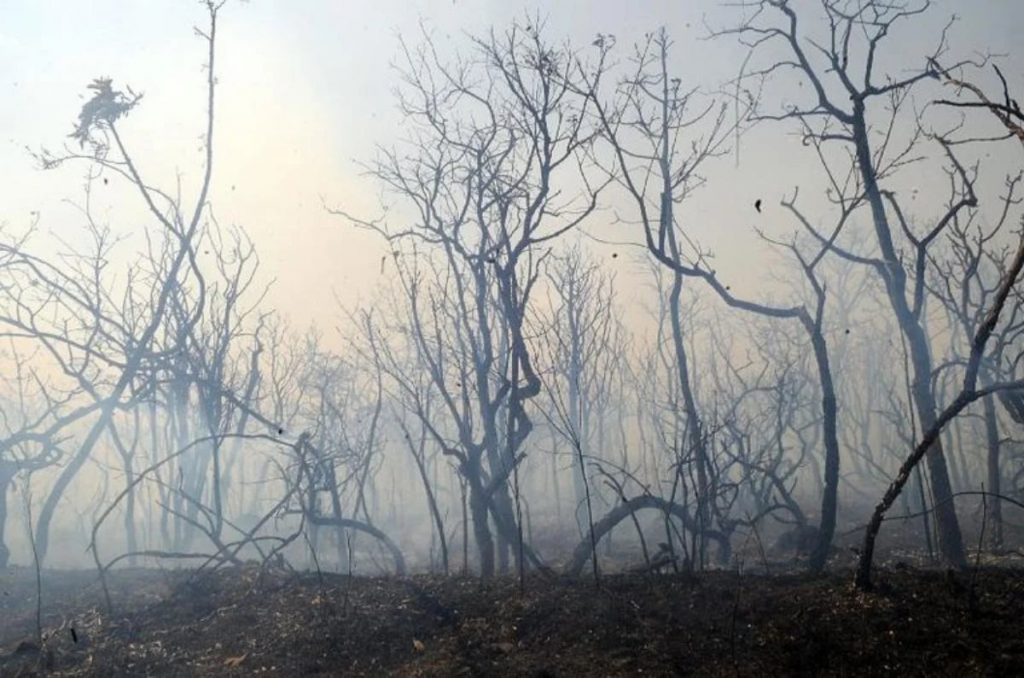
661	139
582	347
854	117
985	325
483	184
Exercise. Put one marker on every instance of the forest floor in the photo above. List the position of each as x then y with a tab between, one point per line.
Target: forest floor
166	622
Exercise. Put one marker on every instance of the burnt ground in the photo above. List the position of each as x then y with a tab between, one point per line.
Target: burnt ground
719	623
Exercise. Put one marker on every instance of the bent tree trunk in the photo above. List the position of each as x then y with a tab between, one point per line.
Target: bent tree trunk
624	510
359	526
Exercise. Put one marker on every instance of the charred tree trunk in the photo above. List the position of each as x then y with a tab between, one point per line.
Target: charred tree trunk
7	471
419	457
694	434
830	492
994	482
479	511
895	279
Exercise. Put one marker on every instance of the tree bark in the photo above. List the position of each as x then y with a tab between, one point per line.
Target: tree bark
995	509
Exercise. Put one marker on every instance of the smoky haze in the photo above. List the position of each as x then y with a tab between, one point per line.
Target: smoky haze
478	287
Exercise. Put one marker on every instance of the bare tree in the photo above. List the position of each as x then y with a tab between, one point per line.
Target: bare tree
582	345
660	150
985	326
106	150
857	111
32	420
965	284
496	149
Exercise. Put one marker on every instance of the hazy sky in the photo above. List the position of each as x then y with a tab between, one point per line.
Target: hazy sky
306	90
